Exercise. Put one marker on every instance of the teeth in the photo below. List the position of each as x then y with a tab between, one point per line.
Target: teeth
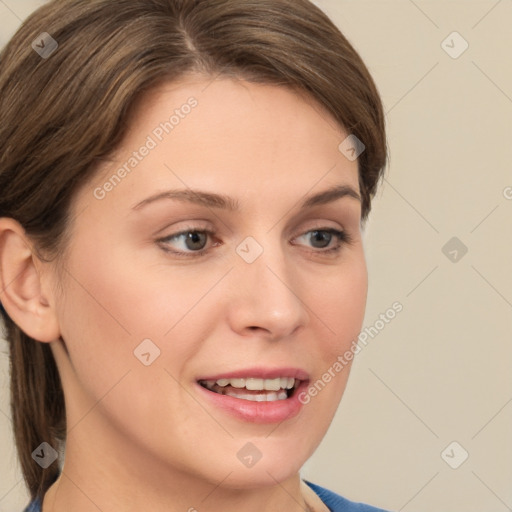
271	389
263	397
237	383
253	384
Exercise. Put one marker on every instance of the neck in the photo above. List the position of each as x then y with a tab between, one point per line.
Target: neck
81	495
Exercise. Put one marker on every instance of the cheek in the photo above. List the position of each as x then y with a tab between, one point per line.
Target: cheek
112	304
340	312
108	309
102	315
340	307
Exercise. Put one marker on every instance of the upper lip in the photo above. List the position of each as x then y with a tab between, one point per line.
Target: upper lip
260	373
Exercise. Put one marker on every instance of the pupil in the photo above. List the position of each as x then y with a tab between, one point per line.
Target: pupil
195	238
322	236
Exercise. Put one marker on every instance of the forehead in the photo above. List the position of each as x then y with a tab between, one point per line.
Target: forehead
255	141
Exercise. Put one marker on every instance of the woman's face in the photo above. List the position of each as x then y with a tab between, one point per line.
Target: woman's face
204	254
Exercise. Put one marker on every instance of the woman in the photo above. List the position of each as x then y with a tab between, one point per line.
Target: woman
183	188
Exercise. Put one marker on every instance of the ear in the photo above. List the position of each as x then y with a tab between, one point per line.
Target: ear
25	292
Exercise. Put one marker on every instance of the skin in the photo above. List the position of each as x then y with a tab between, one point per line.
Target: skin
143	437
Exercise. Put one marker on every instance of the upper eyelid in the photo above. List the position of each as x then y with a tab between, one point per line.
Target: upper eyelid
212	232
316	224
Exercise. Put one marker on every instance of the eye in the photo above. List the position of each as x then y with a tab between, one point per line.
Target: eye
322	238
192	242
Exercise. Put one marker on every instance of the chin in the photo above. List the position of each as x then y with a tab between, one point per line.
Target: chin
263	474
265	461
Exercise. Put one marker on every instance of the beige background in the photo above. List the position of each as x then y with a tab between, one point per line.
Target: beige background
440	371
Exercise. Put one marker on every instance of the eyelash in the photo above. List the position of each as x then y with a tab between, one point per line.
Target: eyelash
343	238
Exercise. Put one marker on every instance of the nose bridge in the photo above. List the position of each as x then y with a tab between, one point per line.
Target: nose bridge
268	295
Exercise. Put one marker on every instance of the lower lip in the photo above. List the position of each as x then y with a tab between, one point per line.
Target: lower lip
257	412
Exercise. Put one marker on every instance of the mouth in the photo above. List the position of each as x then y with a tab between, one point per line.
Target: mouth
254	389
256	395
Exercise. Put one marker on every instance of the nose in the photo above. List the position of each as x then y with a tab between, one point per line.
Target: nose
267	297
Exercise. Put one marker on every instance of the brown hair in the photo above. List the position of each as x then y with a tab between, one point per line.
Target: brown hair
62	113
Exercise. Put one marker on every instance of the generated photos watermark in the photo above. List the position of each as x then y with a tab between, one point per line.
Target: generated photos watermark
356	346
157	135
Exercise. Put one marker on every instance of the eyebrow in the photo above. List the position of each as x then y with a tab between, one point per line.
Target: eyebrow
224	202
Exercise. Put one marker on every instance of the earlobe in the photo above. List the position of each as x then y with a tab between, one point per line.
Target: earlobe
24	294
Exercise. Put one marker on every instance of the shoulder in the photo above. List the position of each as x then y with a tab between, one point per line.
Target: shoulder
34	506
337	503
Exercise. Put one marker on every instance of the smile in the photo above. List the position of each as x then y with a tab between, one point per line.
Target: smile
254	389
255	395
